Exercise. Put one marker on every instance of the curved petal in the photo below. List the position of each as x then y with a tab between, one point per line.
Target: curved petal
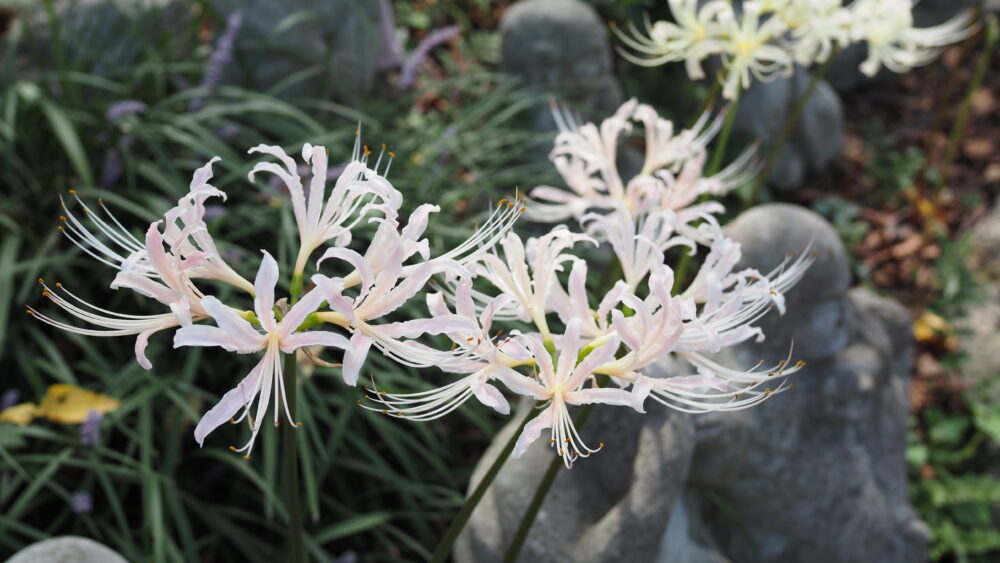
619	397
354	357
314	338
241	395
263	286
490	396
531	432
230	321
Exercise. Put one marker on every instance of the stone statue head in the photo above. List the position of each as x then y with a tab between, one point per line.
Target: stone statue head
816	317
558	46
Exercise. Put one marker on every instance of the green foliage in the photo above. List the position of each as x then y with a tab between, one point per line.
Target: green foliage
893	170
951	485
374	485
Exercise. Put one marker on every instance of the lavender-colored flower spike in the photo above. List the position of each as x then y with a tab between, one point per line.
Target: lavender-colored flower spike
419	55
82	502
90	430
9	398
122	108
220	58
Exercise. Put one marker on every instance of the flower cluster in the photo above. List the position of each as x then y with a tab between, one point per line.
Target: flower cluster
766	38
566	343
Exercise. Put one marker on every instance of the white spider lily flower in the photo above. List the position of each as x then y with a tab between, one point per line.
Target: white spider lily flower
747	51
563	384
671	178
187	234
165	278
816	27
488	358
694	37
574	304
714	387
359	190
529	275
639	242
384	287
235	334
185	231
893	42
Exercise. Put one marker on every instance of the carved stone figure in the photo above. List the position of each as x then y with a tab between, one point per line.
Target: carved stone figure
560	47
817	473
67	549
818	135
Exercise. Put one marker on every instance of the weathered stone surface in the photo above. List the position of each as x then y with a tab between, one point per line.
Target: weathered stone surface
609	507
979	331
560	47
819	471
818	136
342	37
67	549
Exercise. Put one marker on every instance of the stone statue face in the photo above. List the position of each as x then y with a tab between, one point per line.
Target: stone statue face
557	46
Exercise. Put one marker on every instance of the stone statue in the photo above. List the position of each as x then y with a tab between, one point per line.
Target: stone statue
817	473
560	47
67	549
818	135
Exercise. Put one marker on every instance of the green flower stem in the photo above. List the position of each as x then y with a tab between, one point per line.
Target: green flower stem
531	512
989	45
720	147
786	130
290	460
458	524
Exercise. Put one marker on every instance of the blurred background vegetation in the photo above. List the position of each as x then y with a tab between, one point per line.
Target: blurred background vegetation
123	101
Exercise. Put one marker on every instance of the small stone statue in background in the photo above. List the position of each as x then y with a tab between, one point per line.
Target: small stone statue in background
560	47
67	549
818	135
817	473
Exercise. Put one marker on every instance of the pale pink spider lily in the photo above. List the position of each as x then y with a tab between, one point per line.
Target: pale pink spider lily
236	334
165	280
488	358
561	385
358	191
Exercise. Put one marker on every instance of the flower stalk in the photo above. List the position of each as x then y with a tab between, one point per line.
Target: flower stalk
290	461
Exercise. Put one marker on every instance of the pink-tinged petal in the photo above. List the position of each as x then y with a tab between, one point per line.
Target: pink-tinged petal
531	432
306	306
522	385
491	309
641	390
202	335
263	287
227	407
354	357
230	321
141	341
597	357
417	224
317	184
417	327
624	328
289	175
436	304
570	350
490	396
331	289
182	311
202	175
144	286
352	258
409	287
535	344
619	397
314	338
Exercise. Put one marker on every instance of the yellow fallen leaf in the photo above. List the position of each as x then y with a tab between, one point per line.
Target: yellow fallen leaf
930	327
70	404
19	414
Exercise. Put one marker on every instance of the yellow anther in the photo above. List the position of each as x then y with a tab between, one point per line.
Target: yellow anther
40	280
601	445
232	448
358	402
800	363
30	312
62	218
72	192
60	227
771	374
384	411
552	441
298	425
58	284
384	147
767	391
392	154
247	457
232	420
